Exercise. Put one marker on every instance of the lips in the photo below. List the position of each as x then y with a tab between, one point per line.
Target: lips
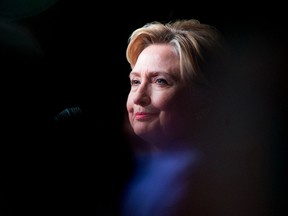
141	116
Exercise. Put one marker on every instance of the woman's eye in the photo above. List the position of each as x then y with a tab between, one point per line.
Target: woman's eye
161	81
134	82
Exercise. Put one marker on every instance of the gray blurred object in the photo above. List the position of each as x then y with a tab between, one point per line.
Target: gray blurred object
69	114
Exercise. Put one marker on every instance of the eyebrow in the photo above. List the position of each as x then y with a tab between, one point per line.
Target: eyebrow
152	73
132	73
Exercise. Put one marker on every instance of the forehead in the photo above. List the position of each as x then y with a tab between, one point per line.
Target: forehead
158	57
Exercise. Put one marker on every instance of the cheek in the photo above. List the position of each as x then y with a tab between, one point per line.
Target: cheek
168	102
129	104
163	101
177	107
171	108
129	107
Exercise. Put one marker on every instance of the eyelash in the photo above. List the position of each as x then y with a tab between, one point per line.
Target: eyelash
134	82
159	81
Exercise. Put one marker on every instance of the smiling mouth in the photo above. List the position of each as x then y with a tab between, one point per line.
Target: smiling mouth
141	116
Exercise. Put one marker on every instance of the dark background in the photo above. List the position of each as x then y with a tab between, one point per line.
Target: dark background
72	54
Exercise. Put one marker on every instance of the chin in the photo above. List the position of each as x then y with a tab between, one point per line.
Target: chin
141	132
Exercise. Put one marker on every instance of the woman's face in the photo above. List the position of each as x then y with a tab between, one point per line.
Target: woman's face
159	106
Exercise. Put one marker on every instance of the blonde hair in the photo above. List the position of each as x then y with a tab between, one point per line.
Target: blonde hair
195	43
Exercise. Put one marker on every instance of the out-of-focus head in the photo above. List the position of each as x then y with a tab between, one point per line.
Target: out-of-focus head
172	65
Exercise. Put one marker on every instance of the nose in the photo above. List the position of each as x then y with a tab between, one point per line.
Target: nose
142	96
